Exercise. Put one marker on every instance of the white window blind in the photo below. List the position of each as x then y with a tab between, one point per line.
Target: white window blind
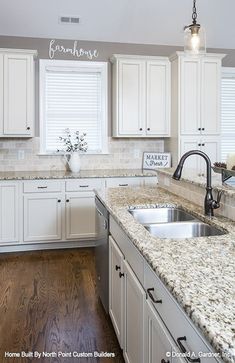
75	98
227	113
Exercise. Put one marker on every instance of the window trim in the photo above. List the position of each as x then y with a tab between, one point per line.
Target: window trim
102	67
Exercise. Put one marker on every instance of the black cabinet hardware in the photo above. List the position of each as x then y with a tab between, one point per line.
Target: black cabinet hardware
165	361
83	186
203	129
199	144
28	128
117	268
199	128
67	200
123	185
183	350
149	292
141	129
121	274
45	187
59	200
148	128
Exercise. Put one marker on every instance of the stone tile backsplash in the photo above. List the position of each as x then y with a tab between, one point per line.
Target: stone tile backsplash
21	154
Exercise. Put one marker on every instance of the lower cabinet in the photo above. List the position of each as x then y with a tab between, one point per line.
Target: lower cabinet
42	217
80	215
126	305
158	345
9	212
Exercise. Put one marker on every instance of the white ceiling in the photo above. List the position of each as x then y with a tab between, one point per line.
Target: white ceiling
125	21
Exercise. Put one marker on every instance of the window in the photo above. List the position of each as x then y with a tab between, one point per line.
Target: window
73	94
227	112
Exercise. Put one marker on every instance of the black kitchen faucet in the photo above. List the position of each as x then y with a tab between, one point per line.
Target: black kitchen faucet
209	204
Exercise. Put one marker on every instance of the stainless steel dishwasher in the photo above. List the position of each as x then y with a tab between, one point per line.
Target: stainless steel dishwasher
102	253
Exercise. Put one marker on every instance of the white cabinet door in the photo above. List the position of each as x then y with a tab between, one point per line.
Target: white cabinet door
18	95
9	212
210	146
187	144
210	95
80	215
134	299
131	97
116	284
190	96
158	344
158	98
1	93
42	217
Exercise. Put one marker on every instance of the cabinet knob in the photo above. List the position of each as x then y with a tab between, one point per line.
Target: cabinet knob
203	144
121	274
141	129
203	129
199	144
59	200
199	128
148	129
117	268
28	128
67	200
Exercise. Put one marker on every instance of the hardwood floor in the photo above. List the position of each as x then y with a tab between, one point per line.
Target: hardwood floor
48	303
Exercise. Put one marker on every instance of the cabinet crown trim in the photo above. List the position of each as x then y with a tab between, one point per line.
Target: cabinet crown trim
180	54
20	51
116	57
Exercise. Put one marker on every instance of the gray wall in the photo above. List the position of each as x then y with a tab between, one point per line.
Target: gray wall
105	50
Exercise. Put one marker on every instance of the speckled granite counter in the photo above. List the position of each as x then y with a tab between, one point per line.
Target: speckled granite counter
199	272
61	174
191	176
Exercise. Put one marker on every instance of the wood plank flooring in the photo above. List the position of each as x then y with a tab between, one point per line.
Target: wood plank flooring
48	303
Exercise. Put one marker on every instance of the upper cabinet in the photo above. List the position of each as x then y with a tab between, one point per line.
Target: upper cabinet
141	96
17	93
198	92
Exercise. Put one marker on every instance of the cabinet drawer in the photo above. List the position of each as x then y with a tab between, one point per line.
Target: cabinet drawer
123	182
83	184
131	254
42	186
174	317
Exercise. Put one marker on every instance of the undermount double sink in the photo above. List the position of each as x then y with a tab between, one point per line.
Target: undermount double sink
169	222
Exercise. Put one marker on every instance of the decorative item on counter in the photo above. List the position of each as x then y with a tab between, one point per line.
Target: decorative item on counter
218	164
230	161
73	145
155	160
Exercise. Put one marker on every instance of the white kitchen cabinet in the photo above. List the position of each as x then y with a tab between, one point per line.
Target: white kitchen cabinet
17	75
141	96
199	95
43	217
80	215
9	212
208	144
134	300
116	286
158	345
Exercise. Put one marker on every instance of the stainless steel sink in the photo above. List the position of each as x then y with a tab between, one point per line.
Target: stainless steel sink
183	230
160	215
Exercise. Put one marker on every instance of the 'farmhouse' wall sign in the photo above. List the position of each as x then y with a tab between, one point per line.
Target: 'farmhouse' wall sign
75	51
156	160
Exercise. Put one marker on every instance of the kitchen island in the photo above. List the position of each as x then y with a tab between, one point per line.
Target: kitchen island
198	272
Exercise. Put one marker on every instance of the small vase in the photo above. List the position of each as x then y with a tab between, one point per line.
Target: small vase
74	162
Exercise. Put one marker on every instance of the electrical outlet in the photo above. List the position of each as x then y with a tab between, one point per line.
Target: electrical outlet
20	154
136	153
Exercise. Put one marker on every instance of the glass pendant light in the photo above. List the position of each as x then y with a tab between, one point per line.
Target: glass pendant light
194	35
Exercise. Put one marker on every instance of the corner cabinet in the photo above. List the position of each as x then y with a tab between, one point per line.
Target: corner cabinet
141	96
17	93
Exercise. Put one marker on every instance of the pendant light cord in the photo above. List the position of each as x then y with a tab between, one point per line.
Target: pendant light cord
194	14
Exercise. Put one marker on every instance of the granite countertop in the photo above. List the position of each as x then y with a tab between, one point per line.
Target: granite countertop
191	176
62	174
199	272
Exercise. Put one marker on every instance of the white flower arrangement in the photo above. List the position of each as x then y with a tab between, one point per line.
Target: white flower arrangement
73	143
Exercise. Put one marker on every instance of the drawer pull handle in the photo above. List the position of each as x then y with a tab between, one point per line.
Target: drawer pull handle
121	274
45	187
83	186
117	268
149	291
183	350
123	185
